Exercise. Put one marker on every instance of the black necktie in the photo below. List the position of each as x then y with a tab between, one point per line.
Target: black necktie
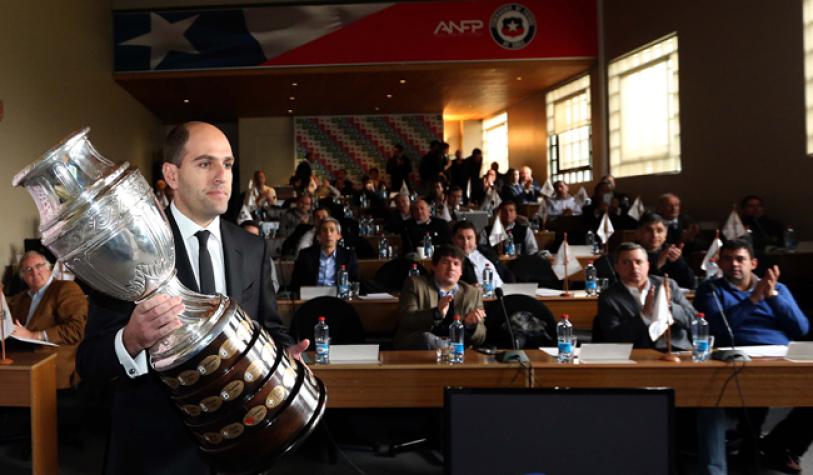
206	273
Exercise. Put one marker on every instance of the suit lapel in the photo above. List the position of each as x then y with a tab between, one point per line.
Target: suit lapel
232	256
182	264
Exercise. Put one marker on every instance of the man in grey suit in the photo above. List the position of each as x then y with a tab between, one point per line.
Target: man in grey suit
625	309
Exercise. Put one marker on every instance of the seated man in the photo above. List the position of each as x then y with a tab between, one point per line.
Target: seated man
679	227
521	234
764	231
428	304
562	203
625	309
759	312
342	183
397	220
531	191
320	264
50	310
512	189
299	214
464	236
308	239
454	202
664	258
424	223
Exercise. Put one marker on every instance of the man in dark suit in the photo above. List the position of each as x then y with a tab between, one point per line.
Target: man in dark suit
626	308
424	223
397	220
146	434
679	227
320	263
477	257
664	258
522	235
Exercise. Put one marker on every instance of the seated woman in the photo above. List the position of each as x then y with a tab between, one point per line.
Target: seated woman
319	264
664	258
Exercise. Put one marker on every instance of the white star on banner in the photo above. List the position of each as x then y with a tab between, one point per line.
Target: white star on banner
164	37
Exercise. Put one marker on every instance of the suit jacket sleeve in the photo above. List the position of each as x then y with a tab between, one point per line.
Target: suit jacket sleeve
412	314
96	357
617	322
71	315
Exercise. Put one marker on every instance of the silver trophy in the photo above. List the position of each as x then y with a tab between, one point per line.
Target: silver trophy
245	400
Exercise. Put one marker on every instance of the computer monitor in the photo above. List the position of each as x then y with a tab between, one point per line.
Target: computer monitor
558	431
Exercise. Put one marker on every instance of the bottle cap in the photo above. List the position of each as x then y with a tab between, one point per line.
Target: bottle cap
589	263
343	267
321	319
565	316
700	315
457	318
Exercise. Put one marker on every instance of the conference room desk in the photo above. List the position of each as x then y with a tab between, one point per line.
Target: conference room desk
413	379
31	382
379	317
763	382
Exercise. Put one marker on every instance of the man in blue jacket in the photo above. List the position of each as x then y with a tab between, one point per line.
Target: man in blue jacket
759	312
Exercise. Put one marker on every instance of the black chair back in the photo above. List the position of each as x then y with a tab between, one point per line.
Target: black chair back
391	276
341	317
596	332
534	269
531	320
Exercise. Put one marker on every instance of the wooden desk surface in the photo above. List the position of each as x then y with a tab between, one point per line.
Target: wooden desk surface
413	379
31	382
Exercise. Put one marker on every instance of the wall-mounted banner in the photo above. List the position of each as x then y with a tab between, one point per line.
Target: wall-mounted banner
370	33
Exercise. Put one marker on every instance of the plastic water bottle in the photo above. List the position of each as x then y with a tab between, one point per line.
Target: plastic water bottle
383	248
712	269
700	339
590	279
510	248
321	336
590	239
790	241
596	245
427	246
456	340
488	281
413	271
343	283
564	338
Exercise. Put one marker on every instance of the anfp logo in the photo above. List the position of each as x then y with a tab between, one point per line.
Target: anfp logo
513	26
461	27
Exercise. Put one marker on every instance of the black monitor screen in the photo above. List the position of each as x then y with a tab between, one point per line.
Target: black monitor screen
553	432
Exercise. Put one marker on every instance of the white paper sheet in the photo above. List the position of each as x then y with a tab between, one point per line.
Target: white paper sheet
775	351
606	353
350	354
377	296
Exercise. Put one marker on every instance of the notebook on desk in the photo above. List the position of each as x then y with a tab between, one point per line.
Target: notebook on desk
311	292
606	353
528	289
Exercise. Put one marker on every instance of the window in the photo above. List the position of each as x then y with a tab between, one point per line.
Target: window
644	113
495	140
569	131
807	7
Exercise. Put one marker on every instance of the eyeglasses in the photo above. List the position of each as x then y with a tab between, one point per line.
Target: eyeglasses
29	269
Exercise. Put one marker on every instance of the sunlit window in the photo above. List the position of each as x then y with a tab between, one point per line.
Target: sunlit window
569	150
807	8
495	140
644	114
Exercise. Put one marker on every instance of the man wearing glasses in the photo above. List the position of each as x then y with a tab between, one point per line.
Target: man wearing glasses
50	310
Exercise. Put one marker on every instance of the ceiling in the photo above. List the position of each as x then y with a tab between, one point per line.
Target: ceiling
458	90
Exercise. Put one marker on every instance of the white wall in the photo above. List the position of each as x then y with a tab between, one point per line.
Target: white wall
56	77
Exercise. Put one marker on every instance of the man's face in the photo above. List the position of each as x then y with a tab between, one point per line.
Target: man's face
465	239
514	177
525	174
35	272
448	271
633	268
319	215
653	236
402	203
508	214
737	265
491	176
421	211
304	204
438	189
561	189
202	181
329	235
753	208
259	179
669	207
455	198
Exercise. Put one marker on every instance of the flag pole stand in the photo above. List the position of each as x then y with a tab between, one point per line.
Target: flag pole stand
668	356
567	292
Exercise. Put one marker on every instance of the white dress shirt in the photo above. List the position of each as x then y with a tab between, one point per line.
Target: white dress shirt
479	261
137	366
640	297
557	206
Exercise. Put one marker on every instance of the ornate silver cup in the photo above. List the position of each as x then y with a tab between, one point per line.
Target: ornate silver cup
245	400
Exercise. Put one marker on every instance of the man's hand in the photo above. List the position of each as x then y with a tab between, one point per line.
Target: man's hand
474	317
443	305
297	349
670	254
150	322
649	303
771	278
23	332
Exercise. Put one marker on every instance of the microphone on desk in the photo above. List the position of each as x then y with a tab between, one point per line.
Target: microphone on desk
515	354
726	355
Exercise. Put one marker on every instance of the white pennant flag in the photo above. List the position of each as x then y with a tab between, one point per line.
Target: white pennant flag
711	253
547	189
733	227
582	198
637	209
244	215
565	255
605	228
498	233
404	188
661	316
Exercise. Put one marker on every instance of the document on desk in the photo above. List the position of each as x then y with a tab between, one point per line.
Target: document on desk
377	296
606	353
8	329
800	352
546	292
353	354
767	351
